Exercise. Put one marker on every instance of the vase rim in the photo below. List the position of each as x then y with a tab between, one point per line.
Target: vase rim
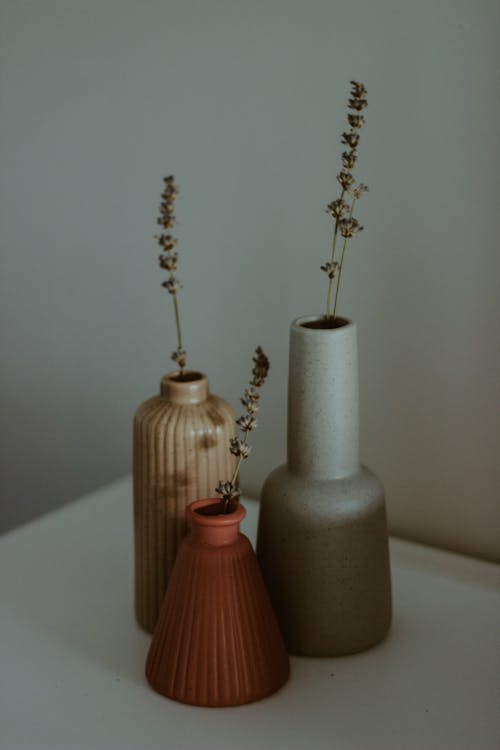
298	325
228	519
189	377
192	389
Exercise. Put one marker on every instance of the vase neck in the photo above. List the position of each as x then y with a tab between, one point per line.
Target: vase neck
214	529
323	401
190	388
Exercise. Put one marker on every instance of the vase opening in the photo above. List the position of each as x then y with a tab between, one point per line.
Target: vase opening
216	509
208	512
190	387
211	526
186	377
324	324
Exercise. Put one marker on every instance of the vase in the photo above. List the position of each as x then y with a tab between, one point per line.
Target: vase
217	641
181	450
322	537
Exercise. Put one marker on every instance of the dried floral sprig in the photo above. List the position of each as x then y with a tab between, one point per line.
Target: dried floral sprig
238	446
168	259
331	269
345	224
349	227
179	356
349	159
228	491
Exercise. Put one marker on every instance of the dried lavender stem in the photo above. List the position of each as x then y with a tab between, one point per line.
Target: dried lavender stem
336	230
238	446
177	323
330	284
240	459
342	265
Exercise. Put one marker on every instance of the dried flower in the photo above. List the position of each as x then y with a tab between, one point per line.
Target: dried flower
239	447
168	262
251	407
166	241
168	206
351	139
260	369
349	227
172	285
179	356
349	159
358	90
337	208
346	179
345	225
167	221
358	104
247	422
330	269
228	491
252	394
168	259
356	121
358	191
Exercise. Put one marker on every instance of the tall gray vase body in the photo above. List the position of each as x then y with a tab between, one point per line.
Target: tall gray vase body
322	539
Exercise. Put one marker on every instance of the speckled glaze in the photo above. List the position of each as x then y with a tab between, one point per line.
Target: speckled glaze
181	439
322	539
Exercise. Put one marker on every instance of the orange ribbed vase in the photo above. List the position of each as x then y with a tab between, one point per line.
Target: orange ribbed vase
181	440
217	642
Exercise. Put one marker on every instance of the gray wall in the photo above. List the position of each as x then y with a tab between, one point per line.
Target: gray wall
244	102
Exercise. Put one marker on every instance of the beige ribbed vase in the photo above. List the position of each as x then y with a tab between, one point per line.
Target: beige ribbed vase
181	451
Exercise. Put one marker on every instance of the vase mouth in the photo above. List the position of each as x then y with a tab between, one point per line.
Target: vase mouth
197	513
186	377
317	324
189	387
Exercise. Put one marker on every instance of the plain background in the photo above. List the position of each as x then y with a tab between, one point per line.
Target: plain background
244	102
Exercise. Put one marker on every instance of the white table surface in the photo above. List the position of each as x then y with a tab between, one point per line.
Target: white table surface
72	656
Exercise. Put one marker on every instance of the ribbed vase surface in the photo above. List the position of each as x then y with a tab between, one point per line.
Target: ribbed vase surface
217	641
181	440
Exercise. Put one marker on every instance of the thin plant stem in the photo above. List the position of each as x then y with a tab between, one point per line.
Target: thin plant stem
240	459
336	229
178	323
235	473
339	280
337	291
329	299
330	284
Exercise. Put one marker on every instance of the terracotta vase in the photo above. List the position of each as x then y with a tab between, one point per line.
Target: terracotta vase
217	641
322	539
181	440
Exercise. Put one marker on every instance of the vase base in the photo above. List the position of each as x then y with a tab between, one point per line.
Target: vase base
217	641
323	550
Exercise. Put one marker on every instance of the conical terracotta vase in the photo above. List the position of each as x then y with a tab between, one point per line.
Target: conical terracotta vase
181	439
322	538
217	642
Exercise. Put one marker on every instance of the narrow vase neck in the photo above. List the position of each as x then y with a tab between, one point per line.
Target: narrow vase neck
323	401
214	529
191	389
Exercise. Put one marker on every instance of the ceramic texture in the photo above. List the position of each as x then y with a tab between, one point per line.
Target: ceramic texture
181	440
217	642
322	539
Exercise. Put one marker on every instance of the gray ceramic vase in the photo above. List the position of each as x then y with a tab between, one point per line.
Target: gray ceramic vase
322	539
